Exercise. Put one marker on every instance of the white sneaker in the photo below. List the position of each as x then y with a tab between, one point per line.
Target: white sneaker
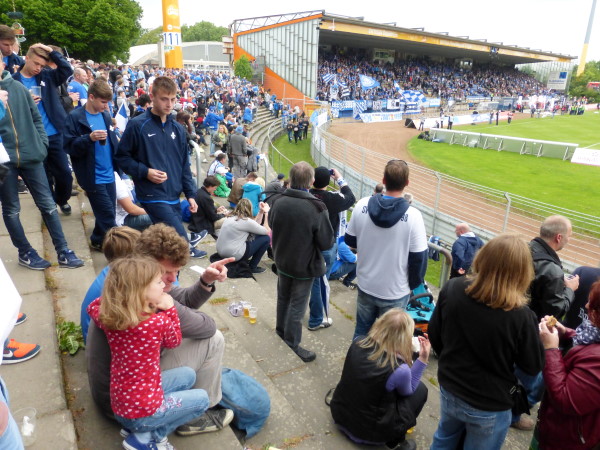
327	322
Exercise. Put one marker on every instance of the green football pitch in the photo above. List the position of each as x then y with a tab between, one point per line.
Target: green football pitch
553	181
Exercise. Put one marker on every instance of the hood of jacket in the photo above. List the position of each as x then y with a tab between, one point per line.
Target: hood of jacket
385	212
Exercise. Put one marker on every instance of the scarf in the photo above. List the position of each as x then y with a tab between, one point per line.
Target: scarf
586	334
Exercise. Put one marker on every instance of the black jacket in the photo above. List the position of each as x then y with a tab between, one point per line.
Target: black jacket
335	203
82	149
14	60
301	231
478	347
549	295
49	80
206	216
362	404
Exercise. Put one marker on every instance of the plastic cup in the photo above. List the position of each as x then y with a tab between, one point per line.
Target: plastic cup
247	306
36	90
26	422
253	312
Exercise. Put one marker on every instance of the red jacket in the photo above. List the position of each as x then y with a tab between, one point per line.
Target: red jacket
570	411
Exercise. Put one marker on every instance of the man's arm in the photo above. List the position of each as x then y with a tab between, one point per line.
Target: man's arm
63	69
556	298
324	236
76	145
127	153
36	116
458	254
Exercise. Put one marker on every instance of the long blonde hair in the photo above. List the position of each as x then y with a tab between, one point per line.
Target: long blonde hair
124	302
390	337
243	210
501	273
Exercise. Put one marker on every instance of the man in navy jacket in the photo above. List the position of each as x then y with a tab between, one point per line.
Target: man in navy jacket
154	152
34	74
12	61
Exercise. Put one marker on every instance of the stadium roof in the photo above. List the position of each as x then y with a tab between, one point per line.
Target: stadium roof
357	33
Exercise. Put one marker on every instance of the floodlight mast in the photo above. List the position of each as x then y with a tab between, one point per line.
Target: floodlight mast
583	59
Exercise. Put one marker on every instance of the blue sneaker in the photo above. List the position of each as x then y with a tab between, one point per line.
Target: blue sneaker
195	253
68	258
32	260
195	238
132	443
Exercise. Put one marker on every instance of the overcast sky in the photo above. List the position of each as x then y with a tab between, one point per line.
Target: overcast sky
552	25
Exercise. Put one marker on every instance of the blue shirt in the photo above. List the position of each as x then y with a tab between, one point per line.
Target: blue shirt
76	86
104	168
29	83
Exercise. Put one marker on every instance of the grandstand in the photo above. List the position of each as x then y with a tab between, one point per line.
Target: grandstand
292	54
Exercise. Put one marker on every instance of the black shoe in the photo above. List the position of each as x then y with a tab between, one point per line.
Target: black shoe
258	270
404	445
74	193
306	355
96	246
212	420
66	209
21	188
274	268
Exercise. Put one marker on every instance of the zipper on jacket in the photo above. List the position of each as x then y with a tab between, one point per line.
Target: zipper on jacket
12	122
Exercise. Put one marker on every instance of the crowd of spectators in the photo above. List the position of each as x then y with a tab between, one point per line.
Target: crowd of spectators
434	79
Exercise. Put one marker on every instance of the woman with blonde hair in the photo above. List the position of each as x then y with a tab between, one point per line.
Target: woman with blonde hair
243	237
482	329
380	395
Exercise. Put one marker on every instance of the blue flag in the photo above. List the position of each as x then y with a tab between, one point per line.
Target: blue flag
368	82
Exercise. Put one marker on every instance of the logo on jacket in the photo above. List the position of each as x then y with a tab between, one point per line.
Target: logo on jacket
173	135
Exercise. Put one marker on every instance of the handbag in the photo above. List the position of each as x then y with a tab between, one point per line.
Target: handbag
519	398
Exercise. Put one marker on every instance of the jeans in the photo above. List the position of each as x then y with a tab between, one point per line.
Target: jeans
484	429
103	199
10	439
369	308
181	405
212	144
167	213
534	386
140	222
316	300
346	268
292	299
37	182
256	249
58	171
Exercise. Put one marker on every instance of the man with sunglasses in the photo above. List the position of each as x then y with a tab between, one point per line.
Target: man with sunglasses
389	235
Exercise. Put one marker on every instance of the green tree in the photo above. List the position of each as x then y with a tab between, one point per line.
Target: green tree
578	87
203	31
242	68
102	30
150	36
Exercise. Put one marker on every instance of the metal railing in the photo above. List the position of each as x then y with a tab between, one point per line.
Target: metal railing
445	201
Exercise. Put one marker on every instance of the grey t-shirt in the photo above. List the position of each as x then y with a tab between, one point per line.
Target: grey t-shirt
234	234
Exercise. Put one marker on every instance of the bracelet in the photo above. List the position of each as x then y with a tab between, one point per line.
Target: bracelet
553	348
341	182
205	284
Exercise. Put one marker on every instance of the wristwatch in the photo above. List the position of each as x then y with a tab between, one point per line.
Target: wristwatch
205	284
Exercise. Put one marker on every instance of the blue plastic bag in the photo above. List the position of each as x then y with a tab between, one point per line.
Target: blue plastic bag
248	399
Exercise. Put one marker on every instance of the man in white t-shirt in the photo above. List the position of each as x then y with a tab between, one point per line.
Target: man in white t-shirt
391	242
127	212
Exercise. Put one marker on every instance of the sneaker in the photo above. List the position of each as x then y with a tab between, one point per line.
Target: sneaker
306	355
68	258
32	260
66	209
195	253
22	317
132	443
211	420
16	352
96	246
74	193
124	432
524	423
21	188
258	270
195	238
327	322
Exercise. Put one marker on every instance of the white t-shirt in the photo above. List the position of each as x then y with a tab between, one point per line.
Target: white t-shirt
122	192
382	266
9	306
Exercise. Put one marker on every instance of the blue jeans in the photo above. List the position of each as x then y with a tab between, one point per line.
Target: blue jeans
255	250
140	222
484	429
11	438
34	176
181	405
212	144
58	170
316	300
167	213
534	386
103	200
369	308
346	268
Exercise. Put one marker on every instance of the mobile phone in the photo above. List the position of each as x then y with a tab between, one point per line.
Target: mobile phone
331	172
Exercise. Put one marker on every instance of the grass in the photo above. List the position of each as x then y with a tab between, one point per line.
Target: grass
294	152
218	300
548	180
582	130
434	269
